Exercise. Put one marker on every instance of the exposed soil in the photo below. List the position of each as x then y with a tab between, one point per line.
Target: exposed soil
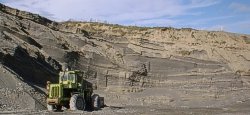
138	70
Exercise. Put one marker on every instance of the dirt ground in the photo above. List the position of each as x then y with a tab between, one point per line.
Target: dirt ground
237	109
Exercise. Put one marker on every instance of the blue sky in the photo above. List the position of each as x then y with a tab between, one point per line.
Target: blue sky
229	15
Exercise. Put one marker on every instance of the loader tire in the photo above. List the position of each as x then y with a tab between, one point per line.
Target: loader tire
77	102
96	102
58	107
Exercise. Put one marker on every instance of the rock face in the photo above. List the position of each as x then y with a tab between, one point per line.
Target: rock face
133	66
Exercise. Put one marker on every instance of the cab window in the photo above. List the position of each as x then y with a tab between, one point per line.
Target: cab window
64	77
71	77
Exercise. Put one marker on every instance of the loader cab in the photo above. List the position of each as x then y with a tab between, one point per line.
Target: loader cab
70	79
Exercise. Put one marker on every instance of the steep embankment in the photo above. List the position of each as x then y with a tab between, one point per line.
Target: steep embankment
128	65
232	49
